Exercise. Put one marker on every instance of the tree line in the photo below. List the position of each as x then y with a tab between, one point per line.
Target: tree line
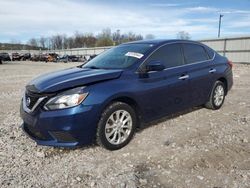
80	40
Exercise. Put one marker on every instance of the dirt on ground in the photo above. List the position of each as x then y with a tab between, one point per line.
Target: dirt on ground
197	148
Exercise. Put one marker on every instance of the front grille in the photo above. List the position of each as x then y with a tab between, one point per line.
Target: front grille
30	100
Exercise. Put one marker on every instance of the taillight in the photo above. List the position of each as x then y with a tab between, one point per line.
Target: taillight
230	63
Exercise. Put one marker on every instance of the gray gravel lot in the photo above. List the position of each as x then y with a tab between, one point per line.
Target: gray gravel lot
201	148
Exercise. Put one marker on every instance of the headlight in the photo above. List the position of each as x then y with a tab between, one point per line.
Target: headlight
66	99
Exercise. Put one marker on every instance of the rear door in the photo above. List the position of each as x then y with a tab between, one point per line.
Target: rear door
166	91
200	69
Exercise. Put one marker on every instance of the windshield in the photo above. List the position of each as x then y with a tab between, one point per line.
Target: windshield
119	57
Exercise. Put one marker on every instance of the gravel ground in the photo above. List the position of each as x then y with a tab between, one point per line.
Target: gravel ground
199	148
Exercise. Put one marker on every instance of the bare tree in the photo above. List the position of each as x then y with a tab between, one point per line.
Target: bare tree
105	38
106	33
33	42
79	40
130	36
69	42
42	42
116	36
48	43
149	36
57	41
89	40
139	37
64	41
183	35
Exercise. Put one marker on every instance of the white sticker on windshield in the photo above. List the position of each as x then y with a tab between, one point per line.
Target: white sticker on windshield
134	54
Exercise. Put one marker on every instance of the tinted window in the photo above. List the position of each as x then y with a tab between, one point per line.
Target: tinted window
169	55
194	53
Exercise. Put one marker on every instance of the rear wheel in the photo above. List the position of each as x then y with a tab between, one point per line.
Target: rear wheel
217	96
116	126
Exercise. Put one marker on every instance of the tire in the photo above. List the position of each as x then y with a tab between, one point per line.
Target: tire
109	127
214	102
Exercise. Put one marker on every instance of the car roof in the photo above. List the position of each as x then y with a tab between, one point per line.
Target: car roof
159	41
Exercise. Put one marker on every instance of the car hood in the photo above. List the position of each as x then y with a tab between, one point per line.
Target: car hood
69	78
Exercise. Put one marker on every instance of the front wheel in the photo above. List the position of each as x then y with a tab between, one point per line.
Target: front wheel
116	126
217	96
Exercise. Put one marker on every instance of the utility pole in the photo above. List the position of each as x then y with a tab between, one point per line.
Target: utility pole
219	25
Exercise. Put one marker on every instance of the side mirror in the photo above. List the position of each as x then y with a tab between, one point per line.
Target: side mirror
154	66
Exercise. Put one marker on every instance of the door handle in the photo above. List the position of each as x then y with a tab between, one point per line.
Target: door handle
184	77
212	70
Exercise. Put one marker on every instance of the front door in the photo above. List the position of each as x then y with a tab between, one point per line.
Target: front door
164	92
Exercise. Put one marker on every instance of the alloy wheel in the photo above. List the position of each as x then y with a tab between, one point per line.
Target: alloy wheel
219	95
118	127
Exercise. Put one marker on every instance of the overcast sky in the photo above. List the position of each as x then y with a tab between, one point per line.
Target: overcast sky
22	19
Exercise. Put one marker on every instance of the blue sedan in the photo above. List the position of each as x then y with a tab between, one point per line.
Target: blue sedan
106	99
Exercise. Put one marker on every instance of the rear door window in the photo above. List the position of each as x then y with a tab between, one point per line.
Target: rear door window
169	55
194	53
